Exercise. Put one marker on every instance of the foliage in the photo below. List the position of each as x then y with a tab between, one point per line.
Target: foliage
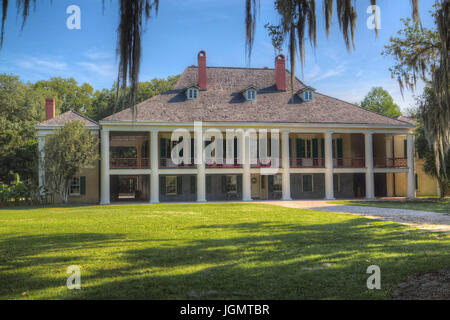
67	151
19	193
433	165
68	94
380	101
21	108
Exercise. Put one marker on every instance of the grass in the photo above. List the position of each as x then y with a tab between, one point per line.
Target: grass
435	205
241	251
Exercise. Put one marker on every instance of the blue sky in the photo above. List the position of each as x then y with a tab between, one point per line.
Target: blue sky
46	48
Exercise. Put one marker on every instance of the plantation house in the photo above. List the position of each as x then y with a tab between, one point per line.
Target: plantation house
328	148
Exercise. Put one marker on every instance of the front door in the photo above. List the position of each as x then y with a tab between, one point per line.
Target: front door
256	186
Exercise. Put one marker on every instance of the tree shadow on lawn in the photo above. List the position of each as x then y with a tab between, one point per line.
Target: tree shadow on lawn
264	260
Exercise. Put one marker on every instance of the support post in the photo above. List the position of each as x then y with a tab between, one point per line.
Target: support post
411	177
370	183
201	171
154	165
41	163
286	176
105	197
329	192
246	177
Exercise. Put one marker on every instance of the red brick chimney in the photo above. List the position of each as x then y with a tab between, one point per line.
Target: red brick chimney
49	108
280	72
202	70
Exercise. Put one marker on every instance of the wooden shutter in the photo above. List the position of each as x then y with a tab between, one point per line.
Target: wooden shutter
271	183
179	184
239	184
339	148
300	146
193	184
315	148
290	148
82	185
224	184
162	184
322	148
208	183
163	147
405	148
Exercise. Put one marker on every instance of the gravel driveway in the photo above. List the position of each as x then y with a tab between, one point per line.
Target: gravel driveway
433	221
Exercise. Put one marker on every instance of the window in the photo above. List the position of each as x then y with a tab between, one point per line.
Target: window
277	183
251	95
307	183
308	96
192	94
75	189
171	185
231	184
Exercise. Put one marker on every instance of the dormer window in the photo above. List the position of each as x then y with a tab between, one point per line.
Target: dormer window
251	95
192	92
306	94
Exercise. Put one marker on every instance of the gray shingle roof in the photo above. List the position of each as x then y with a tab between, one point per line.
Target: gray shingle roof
67	117
222	102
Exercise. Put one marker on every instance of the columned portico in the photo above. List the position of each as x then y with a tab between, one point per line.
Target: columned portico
411	178
154	176
104	186
329	192
286	185
368	143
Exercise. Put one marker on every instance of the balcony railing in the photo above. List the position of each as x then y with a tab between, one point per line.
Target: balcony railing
167	163
390	162
129	163
349	162
264	164
224	164
307	163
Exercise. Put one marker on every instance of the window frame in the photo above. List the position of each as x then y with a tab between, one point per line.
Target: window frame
308	96
72	185
192	94
168	185
277	184
312	183
251	95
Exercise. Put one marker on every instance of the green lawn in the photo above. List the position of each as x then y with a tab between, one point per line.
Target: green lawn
425	205
240	251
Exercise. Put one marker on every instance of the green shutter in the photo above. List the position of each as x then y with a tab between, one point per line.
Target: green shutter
300	146
163	147
239	183
208	184
271	183
315	148
162	185
290	148
322	148
193	184
339	148
224	184
405	148
417	182
179	184
82	185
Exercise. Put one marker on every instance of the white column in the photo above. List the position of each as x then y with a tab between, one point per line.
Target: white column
41	163
201	172
389	161
104	182
329	192
154	163
368	143
286	187
246	177
411	178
